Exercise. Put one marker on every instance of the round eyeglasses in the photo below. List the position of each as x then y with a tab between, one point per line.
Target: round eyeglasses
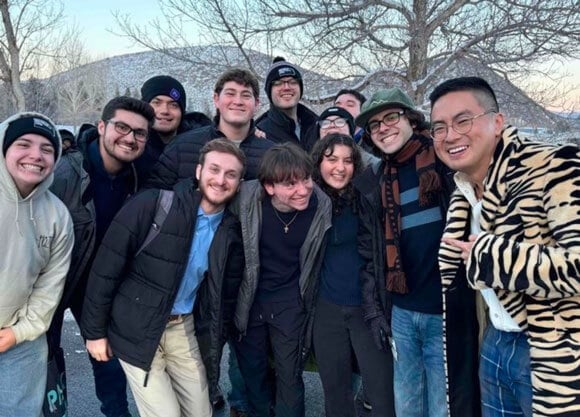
461	125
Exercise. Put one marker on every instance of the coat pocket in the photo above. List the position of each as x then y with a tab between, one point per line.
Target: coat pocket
134	309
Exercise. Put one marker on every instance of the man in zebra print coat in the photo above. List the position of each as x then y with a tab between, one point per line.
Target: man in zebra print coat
513	229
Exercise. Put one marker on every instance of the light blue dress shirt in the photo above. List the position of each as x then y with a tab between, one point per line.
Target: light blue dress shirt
197	264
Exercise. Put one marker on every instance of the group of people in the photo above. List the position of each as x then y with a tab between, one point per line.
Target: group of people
438	260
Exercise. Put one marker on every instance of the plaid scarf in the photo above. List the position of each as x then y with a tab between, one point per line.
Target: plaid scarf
421	150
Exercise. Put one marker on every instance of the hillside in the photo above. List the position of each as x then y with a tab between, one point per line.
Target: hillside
126	73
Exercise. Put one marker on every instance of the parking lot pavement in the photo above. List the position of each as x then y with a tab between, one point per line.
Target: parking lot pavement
81	389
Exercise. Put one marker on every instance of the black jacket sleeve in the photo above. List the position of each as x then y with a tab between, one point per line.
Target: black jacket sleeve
115	254
370	243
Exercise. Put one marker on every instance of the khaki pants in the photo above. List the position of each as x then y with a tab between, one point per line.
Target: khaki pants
177	383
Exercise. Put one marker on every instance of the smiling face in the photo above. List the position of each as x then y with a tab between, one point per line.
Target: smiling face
390	139
286	93
218	180
290	195
29	160
337	167
167	115
115	148
236	104
471	152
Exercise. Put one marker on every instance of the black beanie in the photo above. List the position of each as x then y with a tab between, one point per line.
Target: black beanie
340	112
164	85
31	124
281	68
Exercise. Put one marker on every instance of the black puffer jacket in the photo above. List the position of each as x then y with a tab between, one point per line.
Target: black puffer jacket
280	128
461	341
180	157
129	298
155	146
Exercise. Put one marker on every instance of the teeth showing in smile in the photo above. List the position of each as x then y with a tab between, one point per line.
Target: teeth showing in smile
30	167
453	151
388	137
126	147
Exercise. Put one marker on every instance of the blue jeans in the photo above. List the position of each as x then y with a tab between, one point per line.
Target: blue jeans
23	378
504	374
419	370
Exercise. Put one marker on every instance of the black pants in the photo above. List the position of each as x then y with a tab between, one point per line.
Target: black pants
275	326
338	331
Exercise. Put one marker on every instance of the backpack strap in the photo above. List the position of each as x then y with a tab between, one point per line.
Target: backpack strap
162	208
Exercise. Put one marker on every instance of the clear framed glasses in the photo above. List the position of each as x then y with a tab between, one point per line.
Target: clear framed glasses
461	125
389	119
326	123
124	129
292	82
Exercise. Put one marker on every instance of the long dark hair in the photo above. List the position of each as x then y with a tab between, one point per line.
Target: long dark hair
325	147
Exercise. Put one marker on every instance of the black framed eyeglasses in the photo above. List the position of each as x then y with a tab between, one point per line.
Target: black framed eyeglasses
124	129
327	123
461	125
292	82
388	119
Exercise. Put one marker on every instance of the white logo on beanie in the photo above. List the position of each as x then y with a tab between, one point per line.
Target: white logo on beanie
286	72
43	125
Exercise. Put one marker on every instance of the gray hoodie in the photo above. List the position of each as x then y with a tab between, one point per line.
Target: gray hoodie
36	241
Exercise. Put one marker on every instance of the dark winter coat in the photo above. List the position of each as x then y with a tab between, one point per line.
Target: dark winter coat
155	146
181	156
248	207
129	298
461	346
280	128
72	185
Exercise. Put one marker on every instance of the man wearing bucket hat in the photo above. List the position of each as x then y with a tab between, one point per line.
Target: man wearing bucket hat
404	200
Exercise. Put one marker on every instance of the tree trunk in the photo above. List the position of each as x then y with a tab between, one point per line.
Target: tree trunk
13	78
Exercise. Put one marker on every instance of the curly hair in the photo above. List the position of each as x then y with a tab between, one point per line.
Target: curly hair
325	147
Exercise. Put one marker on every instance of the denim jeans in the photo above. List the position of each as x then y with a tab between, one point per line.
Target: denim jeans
504	374
23	378
419	370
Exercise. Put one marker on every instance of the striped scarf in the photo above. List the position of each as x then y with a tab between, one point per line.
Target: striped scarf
421	149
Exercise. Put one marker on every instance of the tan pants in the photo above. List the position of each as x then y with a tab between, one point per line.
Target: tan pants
177	383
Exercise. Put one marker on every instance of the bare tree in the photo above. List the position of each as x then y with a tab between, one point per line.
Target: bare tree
27	26
411	43
78	86
219	23
415	42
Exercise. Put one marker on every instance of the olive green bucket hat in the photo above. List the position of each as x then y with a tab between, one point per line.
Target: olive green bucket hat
382	100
